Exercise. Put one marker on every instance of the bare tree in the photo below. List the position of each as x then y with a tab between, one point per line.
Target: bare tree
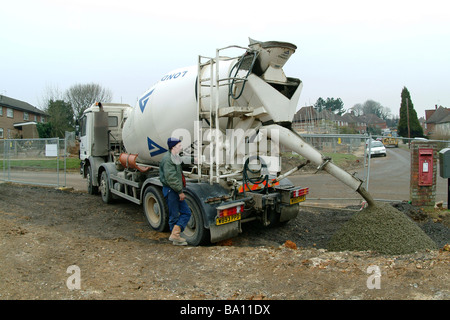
82	96
371	107
358	109
385	113
51	93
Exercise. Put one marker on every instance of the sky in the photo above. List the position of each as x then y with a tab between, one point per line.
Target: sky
353	50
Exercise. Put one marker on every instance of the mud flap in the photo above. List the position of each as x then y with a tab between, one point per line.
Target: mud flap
289	212
225	231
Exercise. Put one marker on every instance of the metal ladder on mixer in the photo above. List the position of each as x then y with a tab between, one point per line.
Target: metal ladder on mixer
216	111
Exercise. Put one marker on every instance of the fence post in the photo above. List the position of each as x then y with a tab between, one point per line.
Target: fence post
57	162
65	158
4	159
9	160
368	161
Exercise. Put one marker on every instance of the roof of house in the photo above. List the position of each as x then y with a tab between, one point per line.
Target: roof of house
439	115
445	119
309	113
328	115
371	119
350	118
306	114
19	105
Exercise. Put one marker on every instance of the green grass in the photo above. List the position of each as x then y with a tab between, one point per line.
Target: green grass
337	158
341	158
71	163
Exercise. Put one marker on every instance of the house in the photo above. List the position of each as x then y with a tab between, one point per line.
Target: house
18	119
354	122
305	119
423	123
327	115
374	122
442	127
435	117
309	120
428	114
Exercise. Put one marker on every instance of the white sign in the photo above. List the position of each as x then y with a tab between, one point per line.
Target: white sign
51	150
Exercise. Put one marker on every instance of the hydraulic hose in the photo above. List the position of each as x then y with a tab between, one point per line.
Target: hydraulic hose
261	179
238	66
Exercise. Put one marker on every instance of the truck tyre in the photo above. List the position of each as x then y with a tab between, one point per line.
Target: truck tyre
195	232
104	188
155	209
90	187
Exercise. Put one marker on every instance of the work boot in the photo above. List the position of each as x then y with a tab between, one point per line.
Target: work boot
176	238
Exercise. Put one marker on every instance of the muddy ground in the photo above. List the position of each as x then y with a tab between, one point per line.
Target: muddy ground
69	245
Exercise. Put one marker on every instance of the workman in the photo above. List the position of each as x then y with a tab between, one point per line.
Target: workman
171	176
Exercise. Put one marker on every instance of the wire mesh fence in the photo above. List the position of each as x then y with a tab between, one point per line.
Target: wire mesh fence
34	161
386	174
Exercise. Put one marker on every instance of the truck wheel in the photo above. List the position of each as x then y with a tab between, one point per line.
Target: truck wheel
90	187
155	209
104	188
195	232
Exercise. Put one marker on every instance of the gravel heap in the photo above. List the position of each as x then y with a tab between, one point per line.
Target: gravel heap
383	229
415	213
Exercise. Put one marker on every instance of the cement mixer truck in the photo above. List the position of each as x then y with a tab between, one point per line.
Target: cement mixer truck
232	112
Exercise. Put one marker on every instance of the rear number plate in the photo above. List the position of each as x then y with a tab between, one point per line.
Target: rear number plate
297	200
228	219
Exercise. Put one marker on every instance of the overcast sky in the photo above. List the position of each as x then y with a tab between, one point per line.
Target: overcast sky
353	50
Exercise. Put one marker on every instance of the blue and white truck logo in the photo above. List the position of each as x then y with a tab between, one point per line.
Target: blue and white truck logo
154	148
143	101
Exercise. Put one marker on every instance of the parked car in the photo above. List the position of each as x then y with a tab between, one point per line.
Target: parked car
376	149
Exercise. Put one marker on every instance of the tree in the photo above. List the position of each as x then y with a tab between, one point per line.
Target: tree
319	105
371	107
358	109
331	104
82	96
374	107
51	92
408	114
61	117
44	130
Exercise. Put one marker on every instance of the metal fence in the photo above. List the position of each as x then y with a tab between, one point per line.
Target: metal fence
378	174
34	161
349	144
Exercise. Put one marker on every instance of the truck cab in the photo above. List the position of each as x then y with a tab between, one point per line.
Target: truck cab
100	136
116	116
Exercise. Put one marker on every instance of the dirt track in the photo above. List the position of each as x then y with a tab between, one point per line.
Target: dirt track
44	231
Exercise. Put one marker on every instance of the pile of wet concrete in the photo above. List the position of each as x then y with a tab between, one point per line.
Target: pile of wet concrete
381	228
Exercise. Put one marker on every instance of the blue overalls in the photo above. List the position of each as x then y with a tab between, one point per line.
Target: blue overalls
179	212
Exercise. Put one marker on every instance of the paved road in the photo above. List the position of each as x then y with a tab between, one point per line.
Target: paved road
389	179
46	178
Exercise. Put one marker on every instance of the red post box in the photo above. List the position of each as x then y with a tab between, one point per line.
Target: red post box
425	167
